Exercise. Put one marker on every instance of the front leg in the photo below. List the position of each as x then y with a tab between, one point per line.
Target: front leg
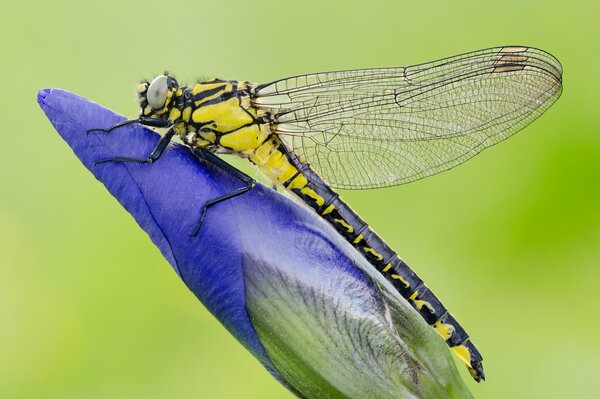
153	122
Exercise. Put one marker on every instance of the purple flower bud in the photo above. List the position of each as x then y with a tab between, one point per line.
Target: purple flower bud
283	282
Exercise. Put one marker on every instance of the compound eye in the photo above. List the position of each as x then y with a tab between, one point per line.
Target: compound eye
157	92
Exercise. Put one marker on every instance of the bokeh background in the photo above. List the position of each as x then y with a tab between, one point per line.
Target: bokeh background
510	241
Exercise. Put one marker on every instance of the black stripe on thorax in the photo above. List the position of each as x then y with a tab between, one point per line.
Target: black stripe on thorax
210	92
207	93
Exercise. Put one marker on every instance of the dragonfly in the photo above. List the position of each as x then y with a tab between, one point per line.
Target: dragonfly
358	129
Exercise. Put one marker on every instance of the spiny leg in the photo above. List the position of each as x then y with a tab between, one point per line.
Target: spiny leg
153	122
154	155
218	162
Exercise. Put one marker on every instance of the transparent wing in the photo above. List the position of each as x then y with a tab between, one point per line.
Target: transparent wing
382	127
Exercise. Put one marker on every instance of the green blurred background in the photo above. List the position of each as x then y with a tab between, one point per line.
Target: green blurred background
510	241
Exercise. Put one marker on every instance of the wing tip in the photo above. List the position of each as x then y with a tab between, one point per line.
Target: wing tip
515	58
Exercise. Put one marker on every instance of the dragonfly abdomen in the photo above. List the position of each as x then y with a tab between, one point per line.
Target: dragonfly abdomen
311	189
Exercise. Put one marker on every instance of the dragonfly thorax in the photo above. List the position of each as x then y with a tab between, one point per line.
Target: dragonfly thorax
218	115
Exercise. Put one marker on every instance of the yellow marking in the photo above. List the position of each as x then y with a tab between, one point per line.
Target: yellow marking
261	155
142	87
373	252
387	268
277	165
179	93
200	87
187	112
298	182
513	49
226	115
419	303
274	164
203	143
474	373
357	239
399	278
309	192
328	210
445	330
180	129
208	136
279	168
245	139
147	110
344	224
463	353
175	113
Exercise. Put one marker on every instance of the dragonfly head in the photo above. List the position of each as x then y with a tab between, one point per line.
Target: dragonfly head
157	97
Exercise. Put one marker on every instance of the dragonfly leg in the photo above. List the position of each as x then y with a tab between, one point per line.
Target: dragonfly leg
154	155
249	183
153	122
